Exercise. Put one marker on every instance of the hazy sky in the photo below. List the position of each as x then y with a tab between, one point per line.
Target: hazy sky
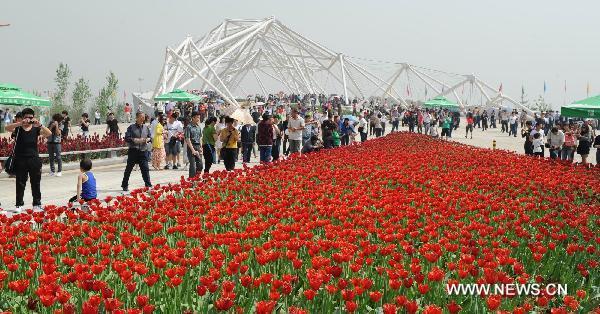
512	42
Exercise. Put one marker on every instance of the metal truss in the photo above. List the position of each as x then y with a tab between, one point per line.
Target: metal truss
266	56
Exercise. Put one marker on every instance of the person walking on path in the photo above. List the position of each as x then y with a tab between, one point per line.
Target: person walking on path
229	136
96	117
173	146
469	124
362	124
248	137
193	142
27	158
525	133
513	122
556	139
209	137
127	112
265	138
53	144
585	140
137	137
277	136
426	121
568	149
84	124
112	126
66	125
295	127
158	143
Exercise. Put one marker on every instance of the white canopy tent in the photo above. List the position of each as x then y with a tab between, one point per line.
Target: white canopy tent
265	56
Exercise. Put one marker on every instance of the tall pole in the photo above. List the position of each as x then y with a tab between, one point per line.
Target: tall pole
344	78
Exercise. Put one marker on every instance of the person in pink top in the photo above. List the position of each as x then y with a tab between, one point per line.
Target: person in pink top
469	124
419	122
128	112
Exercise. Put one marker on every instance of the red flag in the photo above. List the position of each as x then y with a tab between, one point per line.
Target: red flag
500	89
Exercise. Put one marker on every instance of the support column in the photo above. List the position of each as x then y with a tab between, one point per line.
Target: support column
344	77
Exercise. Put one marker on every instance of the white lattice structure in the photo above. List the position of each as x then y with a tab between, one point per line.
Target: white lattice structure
242	57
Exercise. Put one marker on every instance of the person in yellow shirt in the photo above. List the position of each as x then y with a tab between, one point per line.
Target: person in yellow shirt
230	137
158	143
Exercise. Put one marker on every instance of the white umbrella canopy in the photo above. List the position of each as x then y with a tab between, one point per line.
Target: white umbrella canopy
242	116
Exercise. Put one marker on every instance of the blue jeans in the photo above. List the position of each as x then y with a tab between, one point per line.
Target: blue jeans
54	151
513	130
566	153
265	153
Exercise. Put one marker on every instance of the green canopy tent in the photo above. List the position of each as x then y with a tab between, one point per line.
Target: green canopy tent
441	102
178	95
587	108
14	96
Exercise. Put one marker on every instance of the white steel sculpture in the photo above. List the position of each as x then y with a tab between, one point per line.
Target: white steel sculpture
242	55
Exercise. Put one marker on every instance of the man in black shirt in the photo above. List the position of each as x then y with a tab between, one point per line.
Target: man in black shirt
328	126
137	137
27	159
66	125
112	125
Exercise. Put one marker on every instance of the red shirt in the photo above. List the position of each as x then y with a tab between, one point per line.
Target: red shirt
469	120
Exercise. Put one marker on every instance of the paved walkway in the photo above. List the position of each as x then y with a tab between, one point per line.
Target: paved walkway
57	190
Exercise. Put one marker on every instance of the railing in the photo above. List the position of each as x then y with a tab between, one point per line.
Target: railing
77	152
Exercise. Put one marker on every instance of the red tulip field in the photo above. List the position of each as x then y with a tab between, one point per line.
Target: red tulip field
382	227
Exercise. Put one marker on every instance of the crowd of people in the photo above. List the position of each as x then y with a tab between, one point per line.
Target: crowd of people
195	136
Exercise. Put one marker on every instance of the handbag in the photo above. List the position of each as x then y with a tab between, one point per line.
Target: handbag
9	164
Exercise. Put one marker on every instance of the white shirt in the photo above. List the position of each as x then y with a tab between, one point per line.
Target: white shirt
97	115
513	119
362	123
295	123
537	145
174	128
426	118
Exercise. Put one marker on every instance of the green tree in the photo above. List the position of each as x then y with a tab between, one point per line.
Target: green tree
540	105
107	98
63	74
81	96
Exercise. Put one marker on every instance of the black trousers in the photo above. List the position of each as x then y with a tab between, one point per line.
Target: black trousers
228	155
275	150
247	151
345	139
209	156
195	166
28	167
136	157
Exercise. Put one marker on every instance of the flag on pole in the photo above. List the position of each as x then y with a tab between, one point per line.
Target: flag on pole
407	91
588	89
500	89
124	95
425	91
545	88
522	90
565	86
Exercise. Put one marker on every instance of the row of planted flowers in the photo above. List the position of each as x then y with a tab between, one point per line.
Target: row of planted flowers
70	144
380	227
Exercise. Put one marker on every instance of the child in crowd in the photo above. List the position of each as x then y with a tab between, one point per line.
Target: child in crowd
86	183
537	145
